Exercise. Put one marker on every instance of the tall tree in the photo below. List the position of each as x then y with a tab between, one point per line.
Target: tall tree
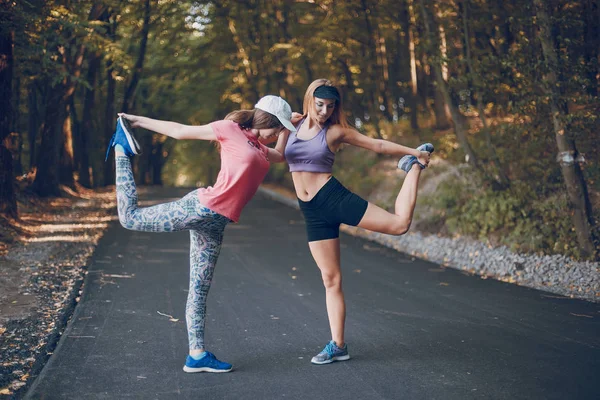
460	128
8	203
567	151
138	68
101	14
477	85
55	162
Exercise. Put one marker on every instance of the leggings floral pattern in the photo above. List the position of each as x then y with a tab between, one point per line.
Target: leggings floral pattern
206	234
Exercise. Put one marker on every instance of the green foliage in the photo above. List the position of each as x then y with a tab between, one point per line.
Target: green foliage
517	217
191	164
354	168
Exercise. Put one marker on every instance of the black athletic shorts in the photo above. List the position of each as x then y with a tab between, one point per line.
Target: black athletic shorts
332	205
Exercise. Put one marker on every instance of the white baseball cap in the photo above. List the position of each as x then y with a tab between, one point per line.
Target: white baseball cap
278	107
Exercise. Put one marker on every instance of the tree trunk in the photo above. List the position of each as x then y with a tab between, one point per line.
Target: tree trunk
243	55
18	164
459	128
439	69
8	202
439	104
87	122
33	123
408	64
67	157
384	78
108	128
372	72
568	155
55	162
47	180
139	64
472	75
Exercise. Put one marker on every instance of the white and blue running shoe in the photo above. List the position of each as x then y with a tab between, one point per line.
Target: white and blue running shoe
208	363
406	162
331	353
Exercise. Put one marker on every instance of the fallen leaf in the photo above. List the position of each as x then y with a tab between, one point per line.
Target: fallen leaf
171	318
581	315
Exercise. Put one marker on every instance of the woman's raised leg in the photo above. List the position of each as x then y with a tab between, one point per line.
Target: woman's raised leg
168	217
378	220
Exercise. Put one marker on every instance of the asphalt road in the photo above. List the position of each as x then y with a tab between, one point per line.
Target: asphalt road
415	330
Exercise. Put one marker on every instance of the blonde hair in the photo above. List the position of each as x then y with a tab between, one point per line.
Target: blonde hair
308	107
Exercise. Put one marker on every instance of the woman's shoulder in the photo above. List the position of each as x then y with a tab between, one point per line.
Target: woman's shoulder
335	129
227	125
225	128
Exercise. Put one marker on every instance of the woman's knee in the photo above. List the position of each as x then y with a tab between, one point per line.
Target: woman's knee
400	226
332	280
126	221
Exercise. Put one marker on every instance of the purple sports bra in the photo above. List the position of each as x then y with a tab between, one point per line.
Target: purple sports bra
312	155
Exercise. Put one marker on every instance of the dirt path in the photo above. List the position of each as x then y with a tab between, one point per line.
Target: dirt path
42	266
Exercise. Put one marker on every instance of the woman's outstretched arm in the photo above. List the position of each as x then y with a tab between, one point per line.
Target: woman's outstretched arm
171	129
355	138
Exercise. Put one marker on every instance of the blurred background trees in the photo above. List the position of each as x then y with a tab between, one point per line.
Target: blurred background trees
507	91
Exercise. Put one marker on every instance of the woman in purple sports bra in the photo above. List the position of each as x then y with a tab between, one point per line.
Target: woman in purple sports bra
325	203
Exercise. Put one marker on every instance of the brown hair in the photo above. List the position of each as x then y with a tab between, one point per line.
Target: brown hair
254	119
337	117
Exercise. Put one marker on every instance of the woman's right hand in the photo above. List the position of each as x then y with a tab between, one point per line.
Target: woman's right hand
134	120
424	158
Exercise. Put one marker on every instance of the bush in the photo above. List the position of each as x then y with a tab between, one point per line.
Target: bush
515	217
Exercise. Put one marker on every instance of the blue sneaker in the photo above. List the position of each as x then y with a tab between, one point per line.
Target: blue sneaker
208	363
406	162
124	136
331	353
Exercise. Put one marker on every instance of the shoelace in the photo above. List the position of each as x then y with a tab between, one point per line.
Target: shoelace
329	349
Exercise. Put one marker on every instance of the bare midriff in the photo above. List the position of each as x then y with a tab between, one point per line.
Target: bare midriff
308	184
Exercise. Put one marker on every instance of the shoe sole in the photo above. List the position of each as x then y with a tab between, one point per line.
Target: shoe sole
133	144
205	369
340	358
432	148
415	161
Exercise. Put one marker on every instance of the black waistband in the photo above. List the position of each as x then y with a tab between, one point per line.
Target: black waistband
323	193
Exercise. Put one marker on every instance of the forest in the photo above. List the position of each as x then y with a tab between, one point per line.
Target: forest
507	91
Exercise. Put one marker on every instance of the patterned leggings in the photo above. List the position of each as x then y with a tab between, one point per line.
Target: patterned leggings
206	234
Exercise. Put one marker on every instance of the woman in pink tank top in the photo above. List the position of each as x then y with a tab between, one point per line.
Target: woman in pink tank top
204	212
326	204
